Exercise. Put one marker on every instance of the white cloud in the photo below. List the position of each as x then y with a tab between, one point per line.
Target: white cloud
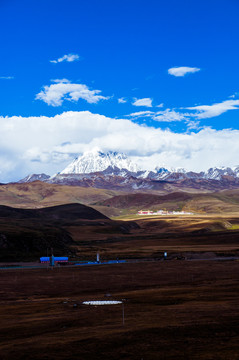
122	100
192	125
167	115
208	111
140	114
48	144
182	70
67	58
55	94
57	81
147	102
198	112
6	77
233	96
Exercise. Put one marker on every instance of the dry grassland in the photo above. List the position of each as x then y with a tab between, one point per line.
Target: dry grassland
173	310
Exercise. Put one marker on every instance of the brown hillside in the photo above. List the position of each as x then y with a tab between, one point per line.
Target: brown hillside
39	194
215	202
146	200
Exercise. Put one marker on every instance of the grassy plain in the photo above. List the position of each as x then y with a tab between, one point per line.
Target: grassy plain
173	310
183	308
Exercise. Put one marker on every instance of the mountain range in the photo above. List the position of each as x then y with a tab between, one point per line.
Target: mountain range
113	170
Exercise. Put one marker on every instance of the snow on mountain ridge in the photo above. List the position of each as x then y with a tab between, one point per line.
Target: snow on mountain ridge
96	161
34	177
216	173
114	164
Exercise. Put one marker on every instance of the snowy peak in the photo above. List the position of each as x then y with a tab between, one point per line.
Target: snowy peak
35	177
115	170
95	161
217	173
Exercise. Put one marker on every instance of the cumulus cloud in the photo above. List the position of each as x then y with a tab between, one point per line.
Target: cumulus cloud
61	90
67	58
209	111
48	144
182	70
147	102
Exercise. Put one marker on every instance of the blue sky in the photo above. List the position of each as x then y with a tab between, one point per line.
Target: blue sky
113	59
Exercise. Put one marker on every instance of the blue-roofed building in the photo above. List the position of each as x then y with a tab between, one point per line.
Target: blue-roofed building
57	259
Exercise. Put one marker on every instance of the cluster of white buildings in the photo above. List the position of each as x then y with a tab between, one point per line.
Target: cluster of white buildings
163	212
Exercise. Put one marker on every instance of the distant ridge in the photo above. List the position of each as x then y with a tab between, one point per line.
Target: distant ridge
34	177
113	170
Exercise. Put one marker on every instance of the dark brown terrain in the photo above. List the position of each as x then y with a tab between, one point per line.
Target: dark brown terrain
26	234
173	310
184	307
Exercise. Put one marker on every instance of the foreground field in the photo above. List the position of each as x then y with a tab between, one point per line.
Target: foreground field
185	307
173	310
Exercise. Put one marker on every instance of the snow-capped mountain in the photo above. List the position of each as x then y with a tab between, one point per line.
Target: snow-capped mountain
114	170
217	173
95	161
34	177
